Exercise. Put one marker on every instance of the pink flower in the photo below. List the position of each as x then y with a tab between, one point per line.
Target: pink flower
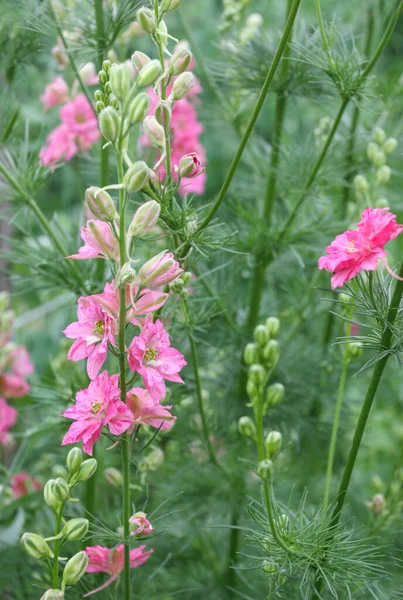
360	249
13	386
111	561
160	270
190	166
23	484
8	417
81	121
20	363
99	242
56	93
146	302
146	412
97	406
92	332
140	526
60	145
151	355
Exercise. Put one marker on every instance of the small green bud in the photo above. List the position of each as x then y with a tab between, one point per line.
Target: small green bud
390	145
99	106
154	131
379	159
126	275
170	5
250	354
252	390
139	108
372	150
120	81
98	96
113	476
361	184
163	112
187	277
146	20
179	62
53	595
261	335
383	175
136	177
182	86
257	374
271	354
270	567
102	76
87	469
106	65
345	298
149	73
273	443
377	484
35	546
247	427
75	529
265	469
55	493
144	219
156	458
354	350
275	394
100	205
273	326
75	569
139	59
109	123
108	89
379	135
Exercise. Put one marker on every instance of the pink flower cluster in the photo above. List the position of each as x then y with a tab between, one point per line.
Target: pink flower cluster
360	249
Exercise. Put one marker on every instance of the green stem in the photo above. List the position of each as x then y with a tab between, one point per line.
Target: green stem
100	27
323	35
10	125
55	572
258	107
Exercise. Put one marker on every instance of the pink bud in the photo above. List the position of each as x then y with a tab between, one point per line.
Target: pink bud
190	166
144	218
139	60
140	526
159	270
154	131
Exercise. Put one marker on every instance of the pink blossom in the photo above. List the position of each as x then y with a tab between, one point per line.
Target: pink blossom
23	484
138	303
160	270
56	93
8	417
13	385
19	362
92	332
146	412
111	561
15	369
140	526
97	406
99	242
151	355
360	249
60	145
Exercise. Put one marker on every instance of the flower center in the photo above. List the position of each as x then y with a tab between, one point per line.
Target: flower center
350	248
96	407
99	328
80	119
151	354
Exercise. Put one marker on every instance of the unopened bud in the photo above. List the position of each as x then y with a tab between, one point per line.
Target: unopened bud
379	159
270	567
261	335
35	546
139	60
146	20
154	131
190	166
250	354
247	427
102	76
257	374
179	62
170	5
106	65
75	529
372	150
109	123
99	105
136	177
252	391
100	204
265	469
361	184
139	108
390	145
383	175
87	469
273	443
275	394
271	354
126	276
119	79
75	569
144	219
379	135
354	350
156	458
182	86
113	476
273	326
55	493
345	298
149	73
377	484
163	112
53	595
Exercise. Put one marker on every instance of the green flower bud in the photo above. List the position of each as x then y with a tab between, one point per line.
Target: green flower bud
108	89
252	390
144	219
136	177
55	492
271	354
113	476
270	567
53	595
179	62
146	20
273	326
379	135
139	59
390	145
100	204
377	484
383	175
250	354
120	81
247	427
361	184
170	5
139	108
154	131
87	469
99	106
379	159
265	469
372	150
274	394
149	73
257	374
106	65
35	546
98	96
354	350
156	458
345	298
109	123
182	86
261	335
102	76
187	277
273	443
126	275
75	529
75	569
163	112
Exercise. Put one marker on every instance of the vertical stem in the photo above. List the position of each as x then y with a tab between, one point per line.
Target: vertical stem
55	572
100	27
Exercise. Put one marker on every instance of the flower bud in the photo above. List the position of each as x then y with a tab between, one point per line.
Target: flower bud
182	86
146	20
190	166
275	394
170	5
156	458
75	529
109	123
377	484
163	112
179	62
270	567
354	350
257	374
113	476
149	73
390	145
75	569
53	595
55	492
379	159
247	427
144	219
187	277
372	150
136	177
250	354
265	469
102	76
273	326
271	354
99	105
379	135
361	184
273	443
383	175
35	546
126	275
100	204
154	131
160	270
106	65
261	335
252	391
139	60
139	108
87	469
140	526
377	504
120	81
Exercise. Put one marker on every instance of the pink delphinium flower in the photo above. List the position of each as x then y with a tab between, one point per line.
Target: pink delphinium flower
99	242
8	417
146	412
79	117
15	369
92	332
97	406
140	526
60	145
360	249
23	484
151	355
111	561
138	304
56	93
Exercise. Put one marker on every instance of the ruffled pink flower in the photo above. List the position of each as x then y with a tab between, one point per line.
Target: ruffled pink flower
8	417
20	363
360	249
56	93
60	145
151	355
97	406
137	304
15	369
23	484
13	386
140	526
111	561
99	242
92	332
146	412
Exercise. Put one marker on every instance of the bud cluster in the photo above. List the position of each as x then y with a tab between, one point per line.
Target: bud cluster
261	356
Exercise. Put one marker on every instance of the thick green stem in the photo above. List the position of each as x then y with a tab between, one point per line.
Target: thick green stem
100	27
55	571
